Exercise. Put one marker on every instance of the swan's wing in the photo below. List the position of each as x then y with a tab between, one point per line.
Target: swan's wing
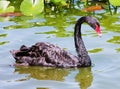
44	54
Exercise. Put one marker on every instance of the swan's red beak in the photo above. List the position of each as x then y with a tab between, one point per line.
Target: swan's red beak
97	29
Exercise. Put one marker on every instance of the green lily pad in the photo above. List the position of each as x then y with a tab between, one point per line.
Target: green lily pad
3	35
118	49
115	40
58	2
4	42
55	1
5	8
95	50
115	2
32	7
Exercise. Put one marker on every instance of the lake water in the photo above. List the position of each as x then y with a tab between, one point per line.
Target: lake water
58	29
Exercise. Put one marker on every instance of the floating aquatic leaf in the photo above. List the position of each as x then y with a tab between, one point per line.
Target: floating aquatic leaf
59	2
32	7
115	2
15	27
118	49
63	3
113	24
4	42
95	50
55	1
57	34
42	88
5	8
3	35
115	40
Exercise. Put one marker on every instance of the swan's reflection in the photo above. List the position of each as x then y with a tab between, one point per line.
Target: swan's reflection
43	73
83	76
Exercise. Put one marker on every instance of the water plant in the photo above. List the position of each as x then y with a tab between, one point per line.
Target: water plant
115	2
4	7
32	7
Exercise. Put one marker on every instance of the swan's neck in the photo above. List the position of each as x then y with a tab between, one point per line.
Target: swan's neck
79	44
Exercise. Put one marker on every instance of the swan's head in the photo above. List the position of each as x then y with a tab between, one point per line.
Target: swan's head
94	24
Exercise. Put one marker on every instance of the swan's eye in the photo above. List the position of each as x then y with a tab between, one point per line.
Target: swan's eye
97	29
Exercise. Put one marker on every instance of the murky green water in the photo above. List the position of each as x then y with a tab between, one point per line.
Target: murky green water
58	29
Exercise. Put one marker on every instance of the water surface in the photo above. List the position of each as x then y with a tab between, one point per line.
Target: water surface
58	29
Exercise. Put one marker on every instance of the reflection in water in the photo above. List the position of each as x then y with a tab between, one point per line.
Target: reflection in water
42	73
83	77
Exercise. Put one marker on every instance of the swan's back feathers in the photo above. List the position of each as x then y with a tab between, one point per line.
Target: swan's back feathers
45	54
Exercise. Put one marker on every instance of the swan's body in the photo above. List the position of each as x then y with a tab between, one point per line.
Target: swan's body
46	54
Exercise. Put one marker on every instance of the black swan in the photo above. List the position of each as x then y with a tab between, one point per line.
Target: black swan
46	54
